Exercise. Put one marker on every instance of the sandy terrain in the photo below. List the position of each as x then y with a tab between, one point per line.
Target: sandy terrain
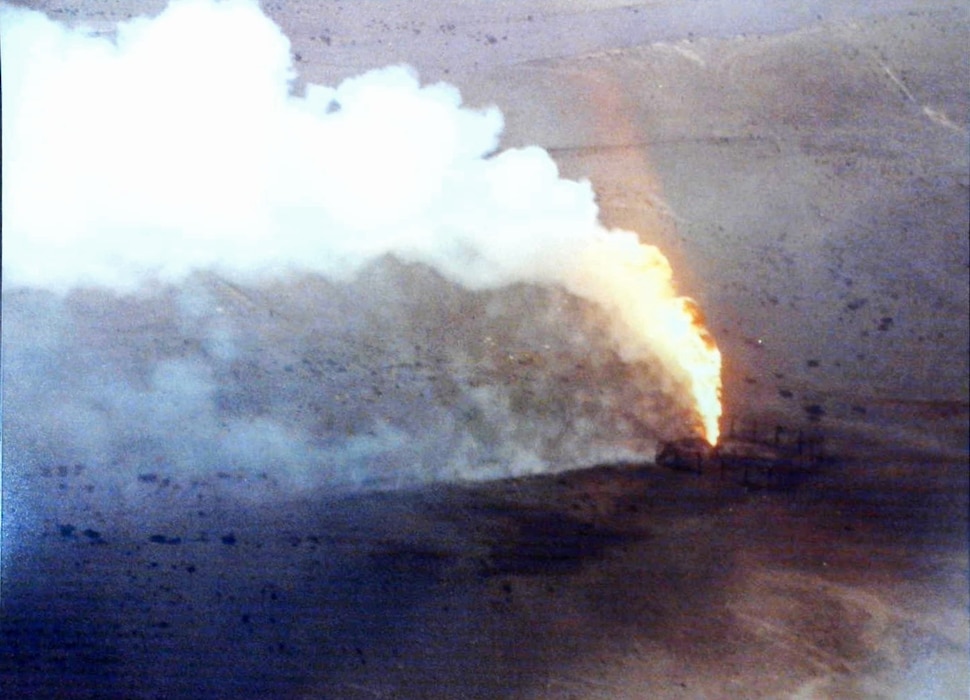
617	582
804	166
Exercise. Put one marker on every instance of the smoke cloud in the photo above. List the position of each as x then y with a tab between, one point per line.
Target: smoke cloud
354	284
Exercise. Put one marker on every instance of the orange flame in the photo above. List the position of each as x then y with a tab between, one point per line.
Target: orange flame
635	280
702	361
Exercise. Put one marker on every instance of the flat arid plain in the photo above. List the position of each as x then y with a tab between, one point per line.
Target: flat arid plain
397	484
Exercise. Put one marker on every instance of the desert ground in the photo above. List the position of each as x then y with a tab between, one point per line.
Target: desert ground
622	581
804	166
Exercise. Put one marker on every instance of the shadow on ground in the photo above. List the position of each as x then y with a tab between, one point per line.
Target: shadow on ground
609	582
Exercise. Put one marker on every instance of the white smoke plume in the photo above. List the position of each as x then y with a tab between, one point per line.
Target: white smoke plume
169	173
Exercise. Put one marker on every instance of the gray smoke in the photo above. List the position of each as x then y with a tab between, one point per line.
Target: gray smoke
209	277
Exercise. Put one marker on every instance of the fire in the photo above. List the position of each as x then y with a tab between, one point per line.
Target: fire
693	352
702	361
636	281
